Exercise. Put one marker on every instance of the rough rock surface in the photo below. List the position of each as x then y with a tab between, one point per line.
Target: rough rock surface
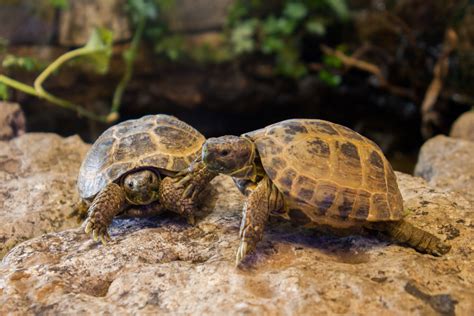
37	185
463	127
448	163
164	266
12	121
82	16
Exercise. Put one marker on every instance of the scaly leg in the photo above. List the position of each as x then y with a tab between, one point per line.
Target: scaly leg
262	199
194	179
404	232
180	194
108	203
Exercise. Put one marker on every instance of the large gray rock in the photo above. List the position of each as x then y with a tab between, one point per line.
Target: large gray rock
164	266
37	185
448	163
12	121
27	22
82	16
463	127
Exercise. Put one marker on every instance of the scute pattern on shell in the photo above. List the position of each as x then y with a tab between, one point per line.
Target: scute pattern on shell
158	141
328	172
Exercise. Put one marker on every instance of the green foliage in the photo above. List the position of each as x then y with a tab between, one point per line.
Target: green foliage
329	78
24	63
99	49
277	29
60	4
3	92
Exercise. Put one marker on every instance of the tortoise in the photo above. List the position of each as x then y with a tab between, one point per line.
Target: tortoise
138	168
316	173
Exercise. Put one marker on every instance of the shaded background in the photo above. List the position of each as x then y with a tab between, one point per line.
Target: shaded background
396	71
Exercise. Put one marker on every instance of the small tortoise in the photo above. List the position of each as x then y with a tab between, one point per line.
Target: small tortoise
316	173
135	168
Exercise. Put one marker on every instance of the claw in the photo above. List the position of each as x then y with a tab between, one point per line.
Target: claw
241	252
103	239
95	235
183	181
188	191
88	228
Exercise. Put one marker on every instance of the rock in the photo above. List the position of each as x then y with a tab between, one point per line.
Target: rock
12	121
27	22
164	266
197	15
82	16
448	163
463	127
37	185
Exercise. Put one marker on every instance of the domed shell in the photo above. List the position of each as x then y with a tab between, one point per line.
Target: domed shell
326	170
156	141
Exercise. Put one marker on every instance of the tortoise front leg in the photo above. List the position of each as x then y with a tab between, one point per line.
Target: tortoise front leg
109	202
262	199
180	194
194	179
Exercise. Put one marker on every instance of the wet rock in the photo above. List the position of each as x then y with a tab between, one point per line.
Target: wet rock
448	163
37	185
197	15
165	266
27	22
12	121
82	16
463	127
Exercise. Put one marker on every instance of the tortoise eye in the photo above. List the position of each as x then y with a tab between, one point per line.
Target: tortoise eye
130	184
225	152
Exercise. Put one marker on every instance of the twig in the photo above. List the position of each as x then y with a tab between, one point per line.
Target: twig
440	71
129	57
370	68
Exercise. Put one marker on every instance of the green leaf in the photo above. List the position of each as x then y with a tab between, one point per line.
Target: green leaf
25	63
171	46
339	7
242	37
60	4
332	61
272	44
99	47
4	92
295	10
140	9
316	27
329	78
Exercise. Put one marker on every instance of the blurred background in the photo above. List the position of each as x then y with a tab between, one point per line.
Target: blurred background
397	72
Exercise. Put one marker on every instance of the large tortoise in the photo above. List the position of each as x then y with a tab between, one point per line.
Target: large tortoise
135	168
316	173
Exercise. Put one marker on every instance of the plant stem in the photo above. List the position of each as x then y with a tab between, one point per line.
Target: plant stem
51	98
129	57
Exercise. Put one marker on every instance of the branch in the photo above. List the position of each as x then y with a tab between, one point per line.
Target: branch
370	68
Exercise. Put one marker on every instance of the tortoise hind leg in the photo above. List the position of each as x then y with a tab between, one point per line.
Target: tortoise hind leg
404	232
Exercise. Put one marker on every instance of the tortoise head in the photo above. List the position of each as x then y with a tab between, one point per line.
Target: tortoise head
231	155
141	187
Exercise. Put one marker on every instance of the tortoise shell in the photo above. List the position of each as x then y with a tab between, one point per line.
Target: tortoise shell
153	141
328	173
